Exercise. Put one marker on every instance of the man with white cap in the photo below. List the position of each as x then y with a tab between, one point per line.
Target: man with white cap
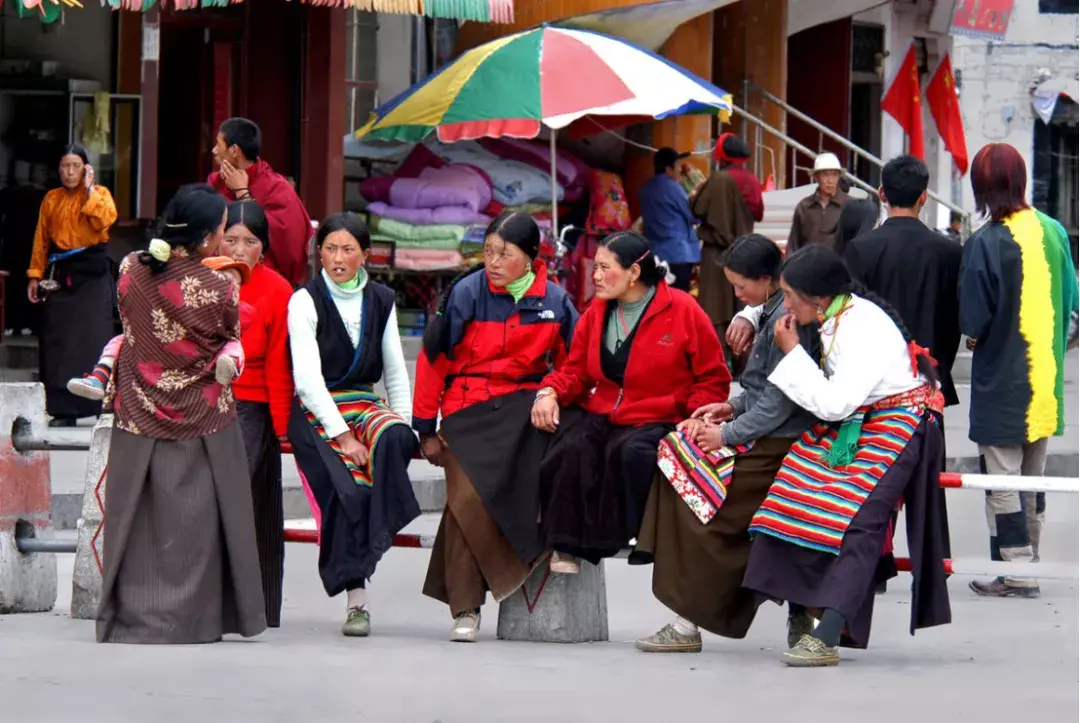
817	215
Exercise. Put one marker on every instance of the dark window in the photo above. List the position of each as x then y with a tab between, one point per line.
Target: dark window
1060	7
1056	166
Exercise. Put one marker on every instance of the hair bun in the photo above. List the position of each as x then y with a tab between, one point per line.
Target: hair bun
159	250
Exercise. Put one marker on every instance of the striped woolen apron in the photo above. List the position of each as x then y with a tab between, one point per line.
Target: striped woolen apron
368	416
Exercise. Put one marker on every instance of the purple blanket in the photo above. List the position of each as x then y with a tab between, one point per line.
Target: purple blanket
454	185
456	215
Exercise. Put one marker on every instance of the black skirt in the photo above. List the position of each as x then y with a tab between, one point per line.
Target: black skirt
264	466
845	582
358	522
76	322
595	483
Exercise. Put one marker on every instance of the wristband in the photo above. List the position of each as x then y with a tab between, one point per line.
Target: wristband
545	392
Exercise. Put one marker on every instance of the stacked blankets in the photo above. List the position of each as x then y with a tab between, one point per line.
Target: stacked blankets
435	207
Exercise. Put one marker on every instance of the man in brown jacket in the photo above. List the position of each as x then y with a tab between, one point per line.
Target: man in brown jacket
817	215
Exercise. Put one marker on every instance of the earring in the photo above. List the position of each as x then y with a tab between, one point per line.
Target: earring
820	315
632	283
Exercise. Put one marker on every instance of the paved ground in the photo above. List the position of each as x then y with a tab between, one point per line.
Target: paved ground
1001	660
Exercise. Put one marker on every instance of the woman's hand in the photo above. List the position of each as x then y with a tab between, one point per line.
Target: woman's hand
709	438
690	427
88	176
32	291
786	331
352	448
431	446
545	413
740	335
714	413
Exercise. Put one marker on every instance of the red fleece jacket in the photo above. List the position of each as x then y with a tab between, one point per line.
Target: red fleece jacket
267	376
676	364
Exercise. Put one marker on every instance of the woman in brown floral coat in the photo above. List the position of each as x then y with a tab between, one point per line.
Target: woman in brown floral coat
180	560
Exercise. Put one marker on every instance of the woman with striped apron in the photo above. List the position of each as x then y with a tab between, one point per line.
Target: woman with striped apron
352	448
818	535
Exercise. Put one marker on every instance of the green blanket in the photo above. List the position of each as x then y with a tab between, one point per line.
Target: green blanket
401	231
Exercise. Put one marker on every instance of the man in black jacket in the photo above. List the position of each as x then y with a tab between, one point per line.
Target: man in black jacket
916	270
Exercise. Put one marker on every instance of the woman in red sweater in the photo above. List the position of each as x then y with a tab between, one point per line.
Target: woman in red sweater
264	392
644	356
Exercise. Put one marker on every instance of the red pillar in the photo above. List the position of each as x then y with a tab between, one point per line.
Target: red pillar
322	166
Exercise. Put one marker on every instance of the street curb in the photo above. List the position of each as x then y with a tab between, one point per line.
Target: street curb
431	491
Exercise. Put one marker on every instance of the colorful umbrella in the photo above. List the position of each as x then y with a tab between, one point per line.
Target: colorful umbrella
548	76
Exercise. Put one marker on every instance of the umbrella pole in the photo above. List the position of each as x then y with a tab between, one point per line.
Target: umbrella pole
554	191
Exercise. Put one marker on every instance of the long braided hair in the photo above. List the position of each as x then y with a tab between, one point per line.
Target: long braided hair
817	271
513	227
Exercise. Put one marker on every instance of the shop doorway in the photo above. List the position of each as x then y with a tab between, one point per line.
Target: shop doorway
200	83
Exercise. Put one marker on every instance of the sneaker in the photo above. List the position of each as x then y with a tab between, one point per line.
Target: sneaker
87	387
799	626
998	588
357	624
225	370
466	627
810	652
670	640
63	422
564	564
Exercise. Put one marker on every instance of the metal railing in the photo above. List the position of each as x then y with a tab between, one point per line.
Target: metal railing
826	132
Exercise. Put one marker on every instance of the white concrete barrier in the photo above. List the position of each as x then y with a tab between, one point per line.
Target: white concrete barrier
86	581
27	581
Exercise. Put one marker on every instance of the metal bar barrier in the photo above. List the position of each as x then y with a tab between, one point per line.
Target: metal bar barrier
30	545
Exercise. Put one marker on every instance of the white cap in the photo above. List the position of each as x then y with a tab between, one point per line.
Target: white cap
827	162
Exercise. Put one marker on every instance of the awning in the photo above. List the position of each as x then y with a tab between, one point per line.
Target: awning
1045	97
484	11
648	25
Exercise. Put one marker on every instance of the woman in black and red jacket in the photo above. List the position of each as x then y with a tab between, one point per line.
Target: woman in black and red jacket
499	331
644	357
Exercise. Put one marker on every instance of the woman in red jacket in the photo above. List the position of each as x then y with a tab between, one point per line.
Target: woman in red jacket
264	392
644	357
499	330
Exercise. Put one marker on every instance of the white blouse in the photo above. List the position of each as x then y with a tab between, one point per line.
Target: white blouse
307	362
867	361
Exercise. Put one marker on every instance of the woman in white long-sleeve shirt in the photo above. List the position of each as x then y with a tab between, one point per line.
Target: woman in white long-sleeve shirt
819	534
352	448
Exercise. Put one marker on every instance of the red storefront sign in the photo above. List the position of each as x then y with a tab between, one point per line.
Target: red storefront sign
983	19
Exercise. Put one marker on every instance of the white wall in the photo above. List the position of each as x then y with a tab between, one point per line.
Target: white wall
81	41
395	54
997	78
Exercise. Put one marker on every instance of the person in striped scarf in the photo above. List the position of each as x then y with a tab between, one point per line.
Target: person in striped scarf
818	536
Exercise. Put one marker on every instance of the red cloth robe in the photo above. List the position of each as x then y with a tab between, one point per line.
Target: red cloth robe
290	225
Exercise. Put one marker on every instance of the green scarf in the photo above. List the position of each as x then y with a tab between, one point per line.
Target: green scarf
354	283
518	288
846	445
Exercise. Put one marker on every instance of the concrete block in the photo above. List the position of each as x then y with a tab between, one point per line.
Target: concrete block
27	582
86	579
552	608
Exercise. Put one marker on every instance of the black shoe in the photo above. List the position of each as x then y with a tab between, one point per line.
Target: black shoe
63	422
881	589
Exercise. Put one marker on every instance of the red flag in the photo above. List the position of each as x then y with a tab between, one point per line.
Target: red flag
903	101
945	107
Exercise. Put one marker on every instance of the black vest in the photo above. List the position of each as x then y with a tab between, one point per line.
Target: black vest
343	366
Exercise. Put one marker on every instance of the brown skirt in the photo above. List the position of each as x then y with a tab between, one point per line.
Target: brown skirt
471	555
180	560
698	568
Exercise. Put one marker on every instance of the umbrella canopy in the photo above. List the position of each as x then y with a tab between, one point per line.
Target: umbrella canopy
547	76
